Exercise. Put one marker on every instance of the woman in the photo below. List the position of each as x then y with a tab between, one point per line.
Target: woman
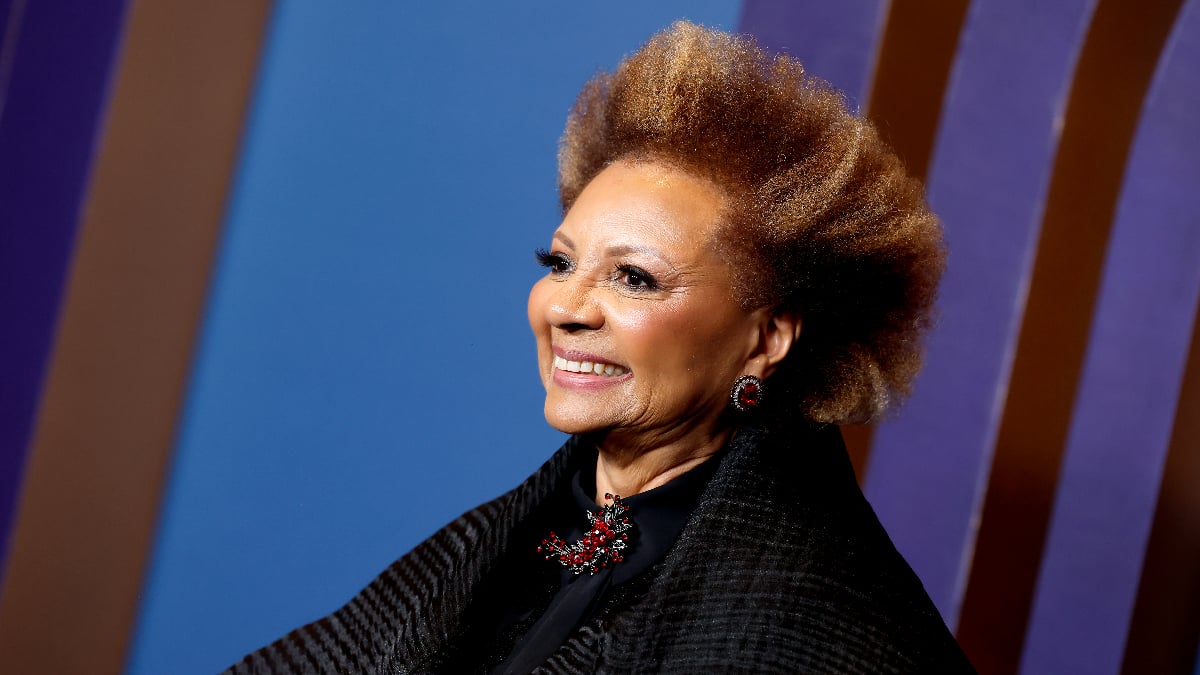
742	265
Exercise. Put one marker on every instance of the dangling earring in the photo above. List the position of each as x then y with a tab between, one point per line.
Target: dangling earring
748	393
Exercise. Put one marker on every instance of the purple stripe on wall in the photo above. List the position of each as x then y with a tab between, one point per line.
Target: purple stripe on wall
10	12
53	105
988	181
1122	420
836	41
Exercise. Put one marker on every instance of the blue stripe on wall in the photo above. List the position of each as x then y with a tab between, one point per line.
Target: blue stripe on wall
366	372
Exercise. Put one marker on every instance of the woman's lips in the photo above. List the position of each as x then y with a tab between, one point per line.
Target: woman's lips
583	371
589	367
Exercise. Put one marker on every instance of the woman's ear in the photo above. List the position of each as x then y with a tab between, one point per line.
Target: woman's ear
778	331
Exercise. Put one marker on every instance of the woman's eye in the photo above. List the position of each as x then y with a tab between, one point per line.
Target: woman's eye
634	277
557	263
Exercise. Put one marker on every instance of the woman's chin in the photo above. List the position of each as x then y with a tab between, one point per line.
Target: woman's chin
571	419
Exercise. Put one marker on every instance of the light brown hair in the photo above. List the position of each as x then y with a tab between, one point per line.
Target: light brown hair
822	218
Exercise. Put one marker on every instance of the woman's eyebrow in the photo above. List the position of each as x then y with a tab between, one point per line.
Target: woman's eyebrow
624	249
618	249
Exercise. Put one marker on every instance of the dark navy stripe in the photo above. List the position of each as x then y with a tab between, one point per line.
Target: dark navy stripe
53	103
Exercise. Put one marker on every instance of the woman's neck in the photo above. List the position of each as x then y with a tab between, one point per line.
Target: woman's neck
621	470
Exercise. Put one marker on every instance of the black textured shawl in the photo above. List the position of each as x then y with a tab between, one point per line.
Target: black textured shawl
782	567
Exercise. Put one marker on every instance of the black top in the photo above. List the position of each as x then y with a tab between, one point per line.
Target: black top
781	567
657	516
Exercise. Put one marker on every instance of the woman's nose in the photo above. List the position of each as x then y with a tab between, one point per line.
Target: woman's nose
573	307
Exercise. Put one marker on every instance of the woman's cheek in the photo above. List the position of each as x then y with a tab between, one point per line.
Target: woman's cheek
536	307
652	317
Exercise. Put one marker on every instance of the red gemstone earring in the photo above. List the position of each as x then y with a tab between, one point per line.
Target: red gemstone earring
748	393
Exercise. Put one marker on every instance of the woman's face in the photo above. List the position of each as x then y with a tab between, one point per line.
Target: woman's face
637	327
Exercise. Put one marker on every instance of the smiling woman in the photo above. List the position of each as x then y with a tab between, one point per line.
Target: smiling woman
742	265
636	281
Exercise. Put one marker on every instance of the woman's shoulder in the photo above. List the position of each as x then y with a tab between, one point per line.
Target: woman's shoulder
785	556
400	620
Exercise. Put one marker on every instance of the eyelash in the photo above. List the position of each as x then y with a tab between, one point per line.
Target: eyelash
629	271
559	264
552	261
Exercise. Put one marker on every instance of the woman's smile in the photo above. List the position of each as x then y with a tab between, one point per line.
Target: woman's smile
582	370
586	367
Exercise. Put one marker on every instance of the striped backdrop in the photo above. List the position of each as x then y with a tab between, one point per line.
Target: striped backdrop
212	224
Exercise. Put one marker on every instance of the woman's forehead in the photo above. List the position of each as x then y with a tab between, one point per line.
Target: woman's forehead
643	205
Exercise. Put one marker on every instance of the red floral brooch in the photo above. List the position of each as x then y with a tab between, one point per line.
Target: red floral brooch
601	545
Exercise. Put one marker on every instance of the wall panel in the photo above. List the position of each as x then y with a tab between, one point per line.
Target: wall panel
988	182
1132	372
55	67
365	371
124	342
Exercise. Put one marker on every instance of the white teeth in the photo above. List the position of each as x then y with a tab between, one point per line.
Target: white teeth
605	369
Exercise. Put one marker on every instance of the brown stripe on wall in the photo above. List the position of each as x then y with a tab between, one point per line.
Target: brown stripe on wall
1166	619
1111	79
911	73
107	419
914	65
